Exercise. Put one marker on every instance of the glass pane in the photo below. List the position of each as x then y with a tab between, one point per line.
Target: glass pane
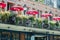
15	36
27	36
5	36
56	37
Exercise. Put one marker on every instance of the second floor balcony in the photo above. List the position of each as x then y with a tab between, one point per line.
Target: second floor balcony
28	21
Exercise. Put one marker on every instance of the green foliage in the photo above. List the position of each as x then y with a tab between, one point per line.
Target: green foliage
39	23
45	21
31	18
4	17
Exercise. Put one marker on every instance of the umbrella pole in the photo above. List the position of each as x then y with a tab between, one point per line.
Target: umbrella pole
34	16
19	12
0	9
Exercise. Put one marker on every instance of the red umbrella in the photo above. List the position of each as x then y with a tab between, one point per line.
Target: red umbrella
32	12
16	8
2	5
46	15
56	18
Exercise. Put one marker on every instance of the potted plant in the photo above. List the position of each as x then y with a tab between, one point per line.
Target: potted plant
52	24
32	20
25	18
34	23
57	24
45	24
19	19
5	16
0	16
39	23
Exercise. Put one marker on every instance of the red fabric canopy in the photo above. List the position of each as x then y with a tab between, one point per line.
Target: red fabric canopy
32	12
13	9
46	15
2	5
16	8
56	18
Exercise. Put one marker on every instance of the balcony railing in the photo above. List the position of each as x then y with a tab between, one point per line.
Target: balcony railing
27	29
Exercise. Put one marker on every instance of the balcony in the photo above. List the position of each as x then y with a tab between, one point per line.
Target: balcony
28	21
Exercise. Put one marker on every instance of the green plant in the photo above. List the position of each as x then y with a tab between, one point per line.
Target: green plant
4	17
18	19
31	18
24	20
52	24
39	23
45	21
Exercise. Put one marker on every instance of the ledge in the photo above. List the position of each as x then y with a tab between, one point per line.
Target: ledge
27	29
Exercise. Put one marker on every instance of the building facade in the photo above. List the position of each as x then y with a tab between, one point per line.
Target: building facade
51	3
19	32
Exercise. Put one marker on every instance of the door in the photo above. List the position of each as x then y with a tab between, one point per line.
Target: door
37	37
40	38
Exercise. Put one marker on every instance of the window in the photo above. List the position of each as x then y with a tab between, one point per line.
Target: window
27	37
5	36
56	37
59	6
36	0
40	38
15	36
